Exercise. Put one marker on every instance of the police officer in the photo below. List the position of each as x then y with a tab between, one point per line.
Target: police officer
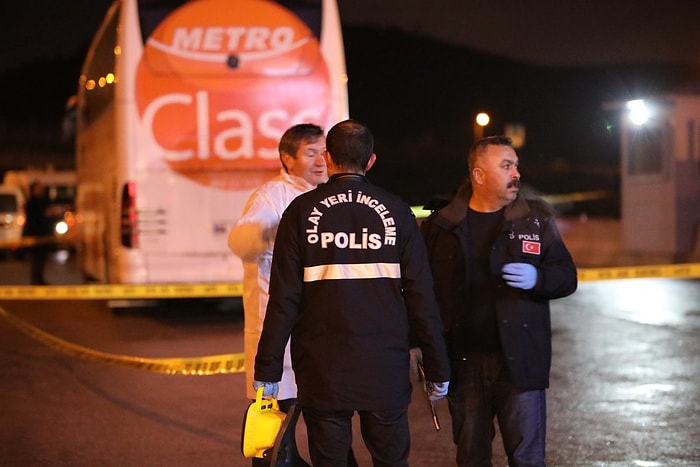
351	283
497	259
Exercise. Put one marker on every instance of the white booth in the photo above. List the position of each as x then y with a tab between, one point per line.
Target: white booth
660	177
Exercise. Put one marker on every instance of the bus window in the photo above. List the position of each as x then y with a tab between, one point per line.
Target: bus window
96	83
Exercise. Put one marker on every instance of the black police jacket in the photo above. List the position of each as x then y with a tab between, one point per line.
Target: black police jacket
350	281
528	233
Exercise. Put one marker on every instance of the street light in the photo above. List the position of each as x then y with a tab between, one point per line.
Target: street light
638	111
482	119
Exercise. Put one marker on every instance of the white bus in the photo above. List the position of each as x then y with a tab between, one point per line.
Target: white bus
179	111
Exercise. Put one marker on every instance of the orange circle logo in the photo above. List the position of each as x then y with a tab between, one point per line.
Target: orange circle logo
220	81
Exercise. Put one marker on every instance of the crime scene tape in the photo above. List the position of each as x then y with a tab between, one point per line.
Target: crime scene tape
25	242
421	212
674	271
230	290
120	291
230	363
199	366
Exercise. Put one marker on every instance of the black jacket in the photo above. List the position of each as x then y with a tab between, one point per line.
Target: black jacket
528	234
37	221
350	280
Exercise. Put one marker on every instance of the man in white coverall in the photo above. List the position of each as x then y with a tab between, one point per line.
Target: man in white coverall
252	238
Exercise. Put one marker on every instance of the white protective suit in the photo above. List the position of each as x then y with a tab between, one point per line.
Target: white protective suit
252	239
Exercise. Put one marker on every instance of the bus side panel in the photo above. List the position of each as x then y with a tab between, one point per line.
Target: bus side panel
183	228
129	264
96	156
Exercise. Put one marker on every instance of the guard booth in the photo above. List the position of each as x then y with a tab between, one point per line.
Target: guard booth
660	177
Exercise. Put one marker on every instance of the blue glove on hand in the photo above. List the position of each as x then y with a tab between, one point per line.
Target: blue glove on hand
271	389
520	275
436	390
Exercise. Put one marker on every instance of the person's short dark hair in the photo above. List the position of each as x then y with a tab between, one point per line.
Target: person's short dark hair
350	144
480	147
295	136
33	187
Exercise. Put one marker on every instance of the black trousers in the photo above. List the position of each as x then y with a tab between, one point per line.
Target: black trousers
39	254
385	433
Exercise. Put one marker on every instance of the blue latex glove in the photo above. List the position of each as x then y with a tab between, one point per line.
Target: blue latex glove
436	390
520	275
271	389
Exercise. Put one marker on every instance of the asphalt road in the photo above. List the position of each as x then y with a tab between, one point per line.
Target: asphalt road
624	389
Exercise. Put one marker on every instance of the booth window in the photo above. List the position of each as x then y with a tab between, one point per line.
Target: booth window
646	150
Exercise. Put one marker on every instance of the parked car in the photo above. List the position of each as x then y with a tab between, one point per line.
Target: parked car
11	216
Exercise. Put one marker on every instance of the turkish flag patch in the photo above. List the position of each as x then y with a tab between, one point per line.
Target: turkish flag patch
532	248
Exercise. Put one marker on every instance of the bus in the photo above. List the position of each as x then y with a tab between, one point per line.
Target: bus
179	110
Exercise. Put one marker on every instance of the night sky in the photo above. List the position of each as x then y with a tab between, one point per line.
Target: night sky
547	32
544	32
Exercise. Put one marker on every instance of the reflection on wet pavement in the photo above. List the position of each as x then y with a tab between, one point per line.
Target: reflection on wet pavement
625	375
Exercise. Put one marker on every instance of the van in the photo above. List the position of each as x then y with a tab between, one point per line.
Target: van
60	190
12	215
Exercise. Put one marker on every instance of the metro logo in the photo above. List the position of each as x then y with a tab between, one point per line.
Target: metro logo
233	39
217	124
250	46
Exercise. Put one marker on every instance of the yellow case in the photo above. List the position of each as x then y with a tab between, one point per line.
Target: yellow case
261	426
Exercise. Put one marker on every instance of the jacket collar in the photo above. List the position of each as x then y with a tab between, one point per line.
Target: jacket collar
347	176
456	209
299	182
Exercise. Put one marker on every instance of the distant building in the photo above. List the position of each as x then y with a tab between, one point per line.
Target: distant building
660	171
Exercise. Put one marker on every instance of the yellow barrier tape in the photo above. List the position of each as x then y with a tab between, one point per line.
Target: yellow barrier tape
229	290
676	271
208	365
229	363
575	197
25	242
120	291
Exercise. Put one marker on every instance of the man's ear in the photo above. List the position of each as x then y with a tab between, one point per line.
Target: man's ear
370	163
286	160
327	157
478	175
